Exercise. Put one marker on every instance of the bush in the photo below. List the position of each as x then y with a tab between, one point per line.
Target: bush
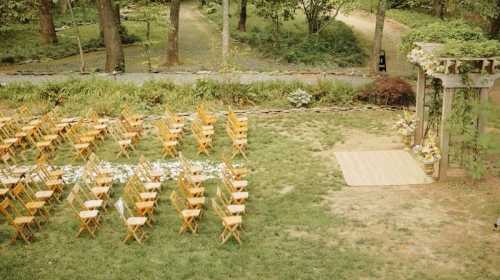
299	98
334	92
389	91
442	32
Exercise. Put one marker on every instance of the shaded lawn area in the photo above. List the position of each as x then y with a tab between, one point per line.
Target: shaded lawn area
290	230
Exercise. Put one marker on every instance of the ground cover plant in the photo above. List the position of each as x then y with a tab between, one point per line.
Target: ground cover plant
77	96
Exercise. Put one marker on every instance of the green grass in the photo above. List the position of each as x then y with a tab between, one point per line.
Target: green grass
412	19
275	161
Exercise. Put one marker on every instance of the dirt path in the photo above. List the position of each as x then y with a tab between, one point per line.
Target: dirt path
364	24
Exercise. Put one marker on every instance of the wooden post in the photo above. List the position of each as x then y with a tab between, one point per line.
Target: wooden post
483	99
420	102
445	133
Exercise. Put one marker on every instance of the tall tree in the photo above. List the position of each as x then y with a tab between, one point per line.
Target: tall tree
47	29
173	33
320	12
242	24
115	59
379	34
439	8
225	31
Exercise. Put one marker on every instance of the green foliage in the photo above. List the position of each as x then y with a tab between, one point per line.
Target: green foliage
489	48
470	147
442	32
107	97
412	18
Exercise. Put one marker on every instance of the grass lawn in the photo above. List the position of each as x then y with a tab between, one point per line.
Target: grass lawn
302	222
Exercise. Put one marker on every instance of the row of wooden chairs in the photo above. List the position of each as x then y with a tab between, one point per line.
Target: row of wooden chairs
237	130
203	129
170	132
36	199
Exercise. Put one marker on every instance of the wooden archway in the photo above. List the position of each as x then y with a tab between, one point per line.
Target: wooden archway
486	71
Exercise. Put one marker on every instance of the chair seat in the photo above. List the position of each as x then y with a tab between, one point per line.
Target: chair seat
35	204
232	220
82	146
144	204
43	144
10	181
50	137
176	125
104	180
136	221
196	191
87	139
239	195
100	127
188	213
148	195
11	141
197	178
236	209
99	190
152	186
170	143
155	173
21	134
56	173
90	214
130	135
240	142
239	184
54	182
196	200
92	204
24	220
43	194
125	142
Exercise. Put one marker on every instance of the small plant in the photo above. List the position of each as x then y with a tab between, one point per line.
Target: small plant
429	152
406	125
299	98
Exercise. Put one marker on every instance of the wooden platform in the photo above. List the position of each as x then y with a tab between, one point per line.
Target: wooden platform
381	168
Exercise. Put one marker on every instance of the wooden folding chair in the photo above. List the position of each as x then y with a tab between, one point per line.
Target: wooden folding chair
239	142
190	187
236	172
88	200
102	193
233	184
205	116
25	198
232	224
143	208
173	119
231	209
192	201
82	149
125	144
189	216
134	225
47	195
89	219
204	143
236	197
21	224
151	174
143	193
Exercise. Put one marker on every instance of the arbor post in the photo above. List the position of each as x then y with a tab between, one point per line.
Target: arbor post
445	133
420	106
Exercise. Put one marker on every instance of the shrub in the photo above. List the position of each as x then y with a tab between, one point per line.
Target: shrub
299	98
334	92
389	91
441	32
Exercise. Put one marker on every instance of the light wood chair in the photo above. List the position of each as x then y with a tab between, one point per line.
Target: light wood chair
226	202
21	224
89	219
189	217
232	224
134	224
33	207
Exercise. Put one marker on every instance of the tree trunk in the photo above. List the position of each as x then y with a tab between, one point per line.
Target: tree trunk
439	7
379	34
47	29
242	25
173	34
225	31
115	60
495	23
63	6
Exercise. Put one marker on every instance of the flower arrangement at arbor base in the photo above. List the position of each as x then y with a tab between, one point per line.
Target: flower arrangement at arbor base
406	126
429	153
430	64
299	98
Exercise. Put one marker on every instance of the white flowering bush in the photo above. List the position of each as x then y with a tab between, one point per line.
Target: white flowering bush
429	63
429	152
406	124
299	98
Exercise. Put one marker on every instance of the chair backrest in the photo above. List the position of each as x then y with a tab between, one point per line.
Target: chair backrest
6	208
222	197
19	192
122	209
174	199
218	210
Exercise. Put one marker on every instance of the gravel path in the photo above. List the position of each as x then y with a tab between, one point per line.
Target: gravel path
187	78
